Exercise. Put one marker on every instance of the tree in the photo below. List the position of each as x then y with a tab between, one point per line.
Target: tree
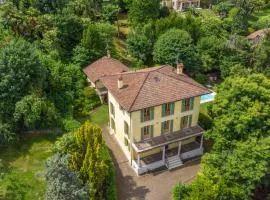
244	12
139	45
25	23
86	102
65	84
262	56
84	8
97	39
34	112
68	35
49	6
62	182
239	159
89	161
7	133
110	13
174	45
21	57
142	11
235	56
209	50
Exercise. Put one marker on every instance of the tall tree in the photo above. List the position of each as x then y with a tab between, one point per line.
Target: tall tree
21	73
88	159
174	46
245	8
240	156
142	11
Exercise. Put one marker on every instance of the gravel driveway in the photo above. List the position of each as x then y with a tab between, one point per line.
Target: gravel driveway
153	186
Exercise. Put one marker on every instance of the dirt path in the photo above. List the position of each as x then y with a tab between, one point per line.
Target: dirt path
154	186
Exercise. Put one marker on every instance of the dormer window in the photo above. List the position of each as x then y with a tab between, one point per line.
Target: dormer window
167	109
147	114
187	104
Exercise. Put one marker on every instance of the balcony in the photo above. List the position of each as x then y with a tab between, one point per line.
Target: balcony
162	140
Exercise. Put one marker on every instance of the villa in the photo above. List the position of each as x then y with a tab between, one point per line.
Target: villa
154	116
181	5
103	67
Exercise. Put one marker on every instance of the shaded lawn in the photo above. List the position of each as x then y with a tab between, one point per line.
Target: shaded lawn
100	116
23	167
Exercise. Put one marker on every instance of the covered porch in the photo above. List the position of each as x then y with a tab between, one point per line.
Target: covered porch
170	154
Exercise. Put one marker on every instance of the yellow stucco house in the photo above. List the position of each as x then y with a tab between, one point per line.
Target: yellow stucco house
154	116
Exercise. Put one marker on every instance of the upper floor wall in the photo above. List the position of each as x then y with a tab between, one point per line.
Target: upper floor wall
165	118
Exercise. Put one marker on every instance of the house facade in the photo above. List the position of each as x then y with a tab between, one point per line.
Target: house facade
105	66
154	116
181	5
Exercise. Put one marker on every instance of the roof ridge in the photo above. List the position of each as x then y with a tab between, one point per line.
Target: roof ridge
139	91
200	86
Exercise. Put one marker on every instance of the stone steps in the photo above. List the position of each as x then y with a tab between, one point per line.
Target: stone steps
173	162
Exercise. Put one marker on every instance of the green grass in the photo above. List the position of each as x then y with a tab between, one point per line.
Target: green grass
23	167
100	116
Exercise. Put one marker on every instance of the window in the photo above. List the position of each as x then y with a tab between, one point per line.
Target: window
187	104
126	128
127	144
112	124
112	109
167	109
167	127
186	121
147	114
147	132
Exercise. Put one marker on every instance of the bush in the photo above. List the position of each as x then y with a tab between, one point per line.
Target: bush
88	101
205	121
180	191
71	125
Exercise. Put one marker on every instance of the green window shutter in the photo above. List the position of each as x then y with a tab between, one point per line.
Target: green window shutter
192	103
162	125
171	127
190	120
152	130
183	105
152	113
172	108
141	133
163	110
142	116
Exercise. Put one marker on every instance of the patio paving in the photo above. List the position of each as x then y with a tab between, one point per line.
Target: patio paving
153	186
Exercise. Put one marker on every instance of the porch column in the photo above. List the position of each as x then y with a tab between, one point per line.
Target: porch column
181	6
163	154
201	145
179	148
138	160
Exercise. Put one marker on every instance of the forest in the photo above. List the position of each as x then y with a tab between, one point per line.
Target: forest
45	44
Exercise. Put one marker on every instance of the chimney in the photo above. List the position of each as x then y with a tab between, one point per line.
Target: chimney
120	82
180	68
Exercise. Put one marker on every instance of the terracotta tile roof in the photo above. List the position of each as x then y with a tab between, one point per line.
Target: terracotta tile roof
152	87
258	33
104	67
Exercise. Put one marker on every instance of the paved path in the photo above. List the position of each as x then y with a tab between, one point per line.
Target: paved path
153	186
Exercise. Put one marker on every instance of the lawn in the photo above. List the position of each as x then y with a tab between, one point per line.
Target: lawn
100	116
23	167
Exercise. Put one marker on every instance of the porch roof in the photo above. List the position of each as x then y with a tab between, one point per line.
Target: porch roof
162	140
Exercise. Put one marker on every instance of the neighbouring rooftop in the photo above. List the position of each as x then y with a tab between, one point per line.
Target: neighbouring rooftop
104	67
152	87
